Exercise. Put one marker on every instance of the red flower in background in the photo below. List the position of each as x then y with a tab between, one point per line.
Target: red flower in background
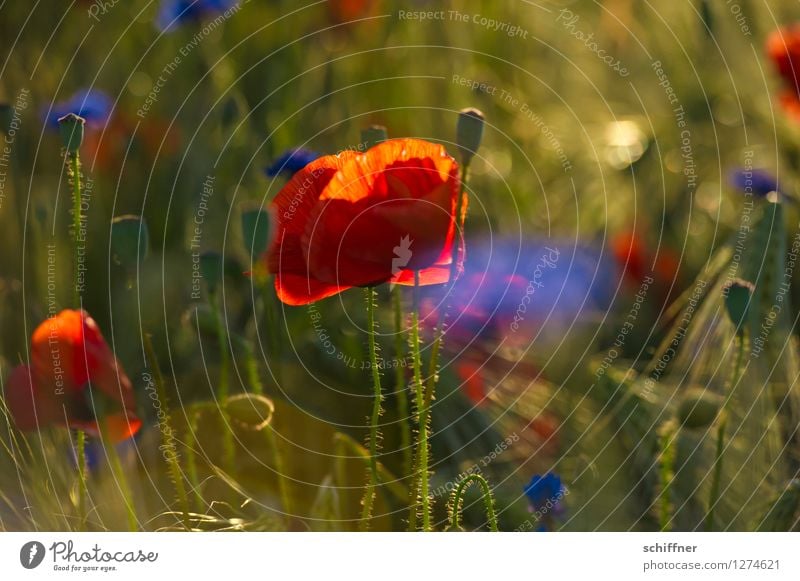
106	147
355	220
632	253
346	10
68	356
783	48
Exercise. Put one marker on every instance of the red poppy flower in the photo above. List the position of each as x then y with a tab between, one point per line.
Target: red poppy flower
68	356
347	10
631	252
473	383
783	48
355	220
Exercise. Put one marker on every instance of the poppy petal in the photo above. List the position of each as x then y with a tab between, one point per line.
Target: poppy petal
290	211
118	427
389	209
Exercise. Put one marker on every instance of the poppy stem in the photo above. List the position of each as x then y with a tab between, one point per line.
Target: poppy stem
340	474
191	458
119	476
460	217
374	435
168	447
256	387
223	389
251	367
82	492
270	313
401	387
75	176
716	478
457	501
666	473
280	470
422	444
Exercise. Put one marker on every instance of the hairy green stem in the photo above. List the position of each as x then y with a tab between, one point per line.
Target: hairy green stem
422	455
280	469
251	368
75	174
374	436
119	476
223	387
340	475
191	459
716	478
457	501
666	474
270	314
272	442
168	445
401	390
433	367
82	491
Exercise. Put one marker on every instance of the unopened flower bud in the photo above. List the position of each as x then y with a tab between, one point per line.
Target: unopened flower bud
698	408
738	294
373	135
70	127
469	132
255	230
5	117
129	240
211	269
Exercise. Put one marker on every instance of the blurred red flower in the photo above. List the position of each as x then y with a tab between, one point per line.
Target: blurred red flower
68	356
638	262
783	48
355	220
347	10
105	148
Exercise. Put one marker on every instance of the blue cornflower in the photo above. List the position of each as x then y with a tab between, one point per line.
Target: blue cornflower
759	182
173	13
93	105
95	453
545	493
291	161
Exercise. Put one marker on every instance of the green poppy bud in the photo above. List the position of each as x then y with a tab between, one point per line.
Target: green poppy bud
249	411
699	408
211	269
129	240
230	112
469	132
738	294
70	127
202	319
373	135
5	117
255	230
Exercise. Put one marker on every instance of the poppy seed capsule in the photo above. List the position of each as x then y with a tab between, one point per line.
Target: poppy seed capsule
70	126
373	135
469	132
129	240
5	117
738	294
699	408
211	269
255	230
203	319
